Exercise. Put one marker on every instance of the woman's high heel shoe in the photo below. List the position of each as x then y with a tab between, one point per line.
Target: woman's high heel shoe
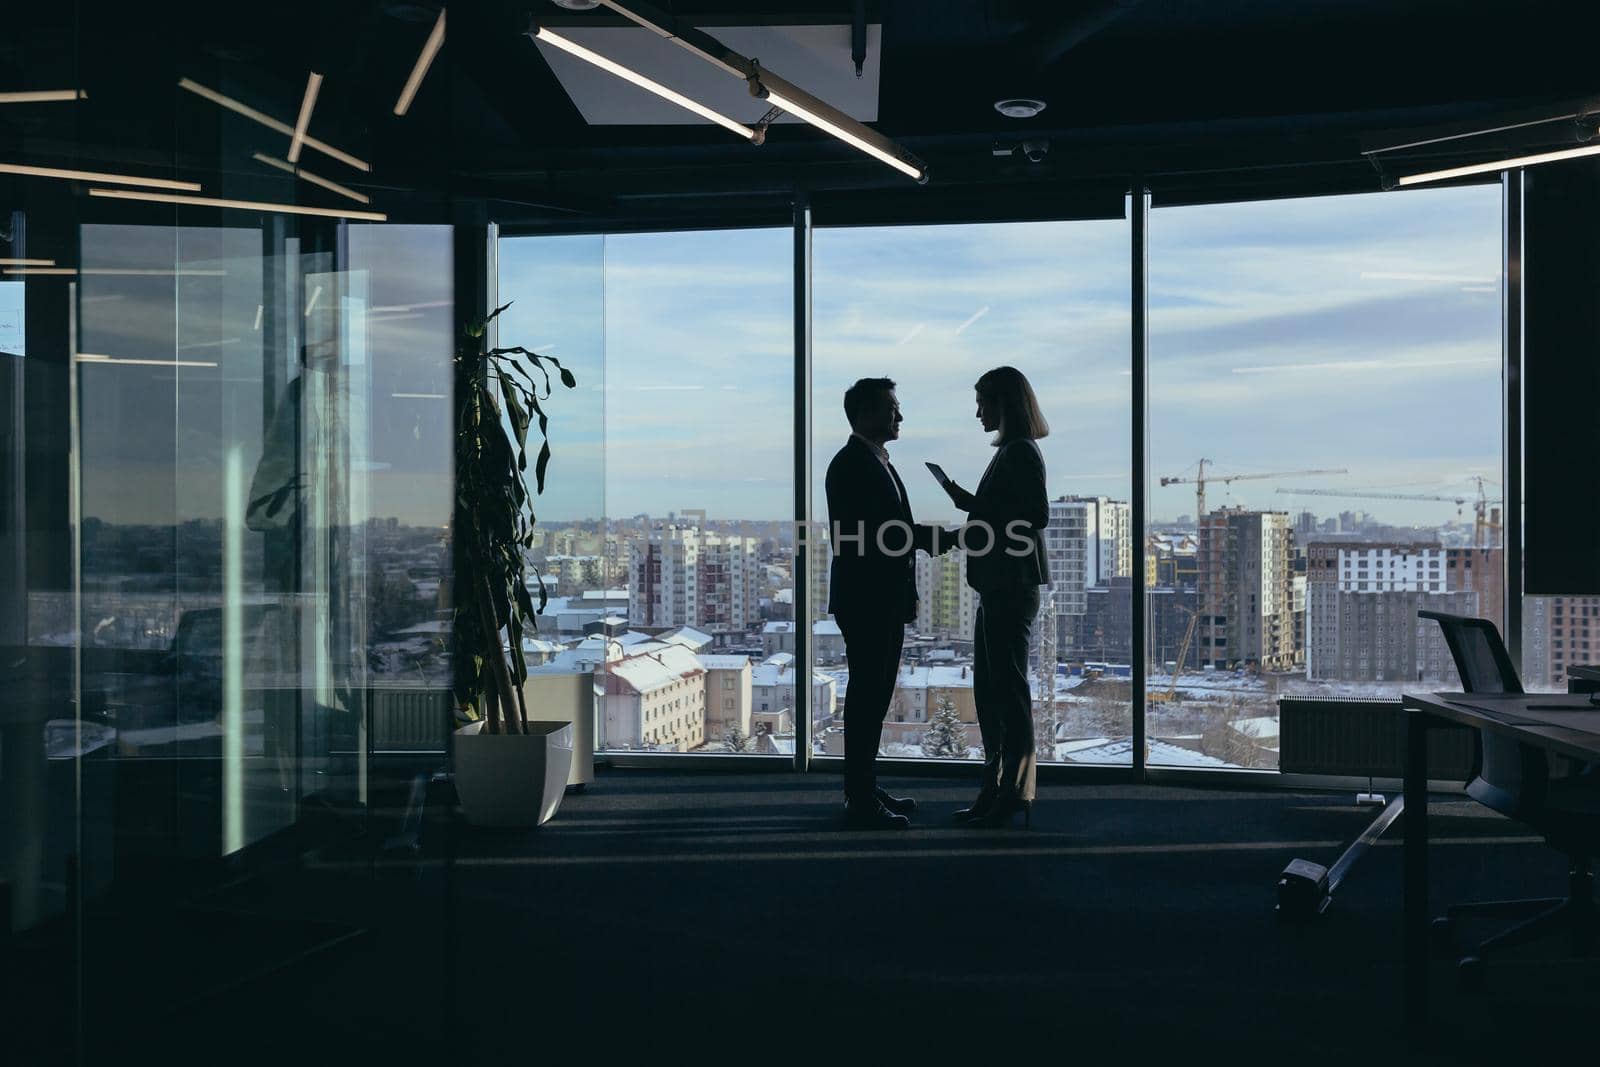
999	813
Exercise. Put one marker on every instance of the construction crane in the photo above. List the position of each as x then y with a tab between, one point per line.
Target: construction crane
1177	668
1483	519
1045	707
1201	478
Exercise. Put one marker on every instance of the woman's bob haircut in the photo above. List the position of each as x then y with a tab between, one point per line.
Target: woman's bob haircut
1020	417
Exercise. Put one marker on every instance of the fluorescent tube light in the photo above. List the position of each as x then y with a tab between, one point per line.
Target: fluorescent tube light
272	161
43	96
1503	164
328	183
575	49
244	205
95	176
314	179
27	262
430	48
270	123
131	272
800	111
96	357
307	103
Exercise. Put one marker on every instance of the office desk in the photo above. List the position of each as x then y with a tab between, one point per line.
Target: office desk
1556	722
1586	677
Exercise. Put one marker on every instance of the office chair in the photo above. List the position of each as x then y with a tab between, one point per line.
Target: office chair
1514	779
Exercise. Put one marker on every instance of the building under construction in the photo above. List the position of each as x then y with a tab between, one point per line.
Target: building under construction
1246	590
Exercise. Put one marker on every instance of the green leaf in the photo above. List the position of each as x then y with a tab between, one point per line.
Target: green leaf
539	466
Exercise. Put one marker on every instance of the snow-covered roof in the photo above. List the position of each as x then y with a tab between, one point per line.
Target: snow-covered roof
723	663
1258	728
779	670
539	644
778	628
934	677
652	670
430	626
689	637
825	628
1120	750
629	638
582	656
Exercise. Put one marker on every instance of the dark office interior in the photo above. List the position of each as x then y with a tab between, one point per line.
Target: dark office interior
1306	290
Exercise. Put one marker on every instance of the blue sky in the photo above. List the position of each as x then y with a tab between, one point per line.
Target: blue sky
1359	332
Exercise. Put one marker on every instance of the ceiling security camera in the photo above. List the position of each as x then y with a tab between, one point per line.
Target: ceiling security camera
1035	150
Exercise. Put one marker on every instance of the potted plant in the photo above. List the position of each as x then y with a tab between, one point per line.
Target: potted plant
508	769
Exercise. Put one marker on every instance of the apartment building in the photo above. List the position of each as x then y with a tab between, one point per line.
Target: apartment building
685	576
1246	587
655	699
946	604
1361	620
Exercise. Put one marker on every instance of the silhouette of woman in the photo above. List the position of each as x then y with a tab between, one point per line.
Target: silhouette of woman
1006	565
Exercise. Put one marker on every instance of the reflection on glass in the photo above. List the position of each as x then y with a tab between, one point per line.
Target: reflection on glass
664	536
933	307
1337	364
263	519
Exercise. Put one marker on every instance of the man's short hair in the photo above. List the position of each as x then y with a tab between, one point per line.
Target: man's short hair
860	396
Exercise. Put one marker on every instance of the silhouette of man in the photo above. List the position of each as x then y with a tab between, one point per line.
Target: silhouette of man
872	589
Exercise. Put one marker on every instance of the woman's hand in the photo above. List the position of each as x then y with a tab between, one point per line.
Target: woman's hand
963	499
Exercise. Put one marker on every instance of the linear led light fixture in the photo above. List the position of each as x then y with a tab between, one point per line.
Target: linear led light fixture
244	205
825	117
573	48
314	179
781	94
1502	164
62	271
308	102
430	48
95	176
270	123
27	262
96	357
43	96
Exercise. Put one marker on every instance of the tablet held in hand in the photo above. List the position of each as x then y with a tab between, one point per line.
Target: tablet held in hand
938	473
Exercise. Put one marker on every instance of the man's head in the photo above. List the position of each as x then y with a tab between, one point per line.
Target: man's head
872	409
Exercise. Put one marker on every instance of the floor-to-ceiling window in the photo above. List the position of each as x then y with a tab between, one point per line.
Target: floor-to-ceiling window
665	537
1325	439
934	307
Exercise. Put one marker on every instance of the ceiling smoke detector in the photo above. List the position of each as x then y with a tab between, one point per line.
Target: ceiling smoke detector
1020	107
577	5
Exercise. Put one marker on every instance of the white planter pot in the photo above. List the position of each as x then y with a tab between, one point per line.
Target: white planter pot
512	779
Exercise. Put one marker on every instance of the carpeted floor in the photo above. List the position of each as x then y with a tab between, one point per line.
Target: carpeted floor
733	917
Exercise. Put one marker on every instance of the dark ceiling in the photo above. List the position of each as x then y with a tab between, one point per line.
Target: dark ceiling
1198	99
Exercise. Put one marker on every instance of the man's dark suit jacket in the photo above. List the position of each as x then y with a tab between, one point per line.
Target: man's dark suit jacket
1012	489
863	496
